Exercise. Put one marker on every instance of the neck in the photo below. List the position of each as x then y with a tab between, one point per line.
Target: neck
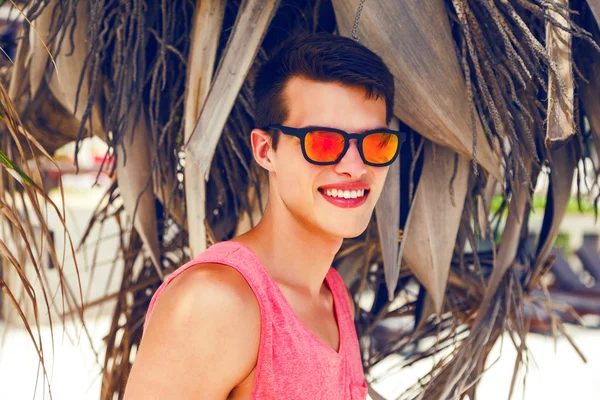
295	255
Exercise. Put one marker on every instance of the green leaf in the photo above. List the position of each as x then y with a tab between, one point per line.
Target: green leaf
14	170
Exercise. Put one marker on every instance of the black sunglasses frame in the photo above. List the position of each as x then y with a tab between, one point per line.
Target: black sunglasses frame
301	133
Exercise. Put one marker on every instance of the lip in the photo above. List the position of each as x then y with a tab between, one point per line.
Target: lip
346	203
346	186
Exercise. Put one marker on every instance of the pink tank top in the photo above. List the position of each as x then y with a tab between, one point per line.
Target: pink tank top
293	363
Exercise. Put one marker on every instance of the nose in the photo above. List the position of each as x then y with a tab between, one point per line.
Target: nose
351	164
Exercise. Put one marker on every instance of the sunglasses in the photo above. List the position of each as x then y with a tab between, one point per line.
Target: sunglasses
327	146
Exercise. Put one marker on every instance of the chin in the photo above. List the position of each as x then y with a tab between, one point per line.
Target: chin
348	232
344	225
352	236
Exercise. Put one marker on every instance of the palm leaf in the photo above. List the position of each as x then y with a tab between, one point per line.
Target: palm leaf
588	61
72	88
562	170
34	192
29	249
561	124
387	211
251	24
595	7
431	96
47	120
49	116
14	170
134	174
484	203
18	74
434	219
39	53
208	20
508	248
455	375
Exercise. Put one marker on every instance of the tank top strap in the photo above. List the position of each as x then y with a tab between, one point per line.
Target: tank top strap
342	301
352	353
242	259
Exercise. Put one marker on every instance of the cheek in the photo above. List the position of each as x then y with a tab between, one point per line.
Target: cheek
379	176
296	177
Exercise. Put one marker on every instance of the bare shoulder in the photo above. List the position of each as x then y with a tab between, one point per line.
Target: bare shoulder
212	291
202	338
210	285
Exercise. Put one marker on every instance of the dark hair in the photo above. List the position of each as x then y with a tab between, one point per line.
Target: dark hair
320	57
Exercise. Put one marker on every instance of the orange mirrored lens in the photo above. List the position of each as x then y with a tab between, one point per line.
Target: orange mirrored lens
380	148
323	146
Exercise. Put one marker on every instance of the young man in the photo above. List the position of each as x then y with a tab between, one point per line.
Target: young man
264	316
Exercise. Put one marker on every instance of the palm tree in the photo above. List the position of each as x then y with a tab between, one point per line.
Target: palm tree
492	92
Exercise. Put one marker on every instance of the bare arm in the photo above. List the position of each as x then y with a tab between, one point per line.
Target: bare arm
202	339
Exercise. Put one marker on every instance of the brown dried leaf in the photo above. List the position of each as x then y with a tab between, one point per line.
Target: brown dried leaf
134	174
18	76
560	119
595	7
70	63
253	19
483	205
433	221
507	250
208	20
564	162
588	61
387	210
431	94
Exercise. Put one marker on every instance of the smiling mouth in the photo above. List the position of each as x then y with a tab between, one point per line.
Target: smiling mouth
344	194
345	198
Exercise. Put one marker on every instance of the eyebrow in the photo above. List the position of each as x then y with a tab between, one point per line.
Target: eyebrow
331	127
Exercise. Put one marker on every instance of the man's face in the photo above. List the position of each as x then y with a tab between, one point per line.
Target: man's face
302	187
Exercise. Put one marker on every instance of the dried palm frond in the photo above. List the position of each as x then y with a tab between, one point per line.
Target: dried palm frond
248	31
559	192
208	19
69	62
388	209
434	219
497	59
134	175
588	81
430	93
456	376
26	239
561	116
595	9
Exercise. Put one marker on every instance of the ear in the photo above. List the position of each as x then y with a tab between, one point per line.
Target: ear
262	149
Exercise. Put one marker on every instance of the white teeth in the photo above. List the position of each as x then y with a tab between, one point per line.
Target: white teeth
345	194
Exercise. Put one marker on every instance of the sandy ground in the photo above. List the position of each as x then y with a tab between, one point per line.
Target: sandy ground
554	373
72	369
75	374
